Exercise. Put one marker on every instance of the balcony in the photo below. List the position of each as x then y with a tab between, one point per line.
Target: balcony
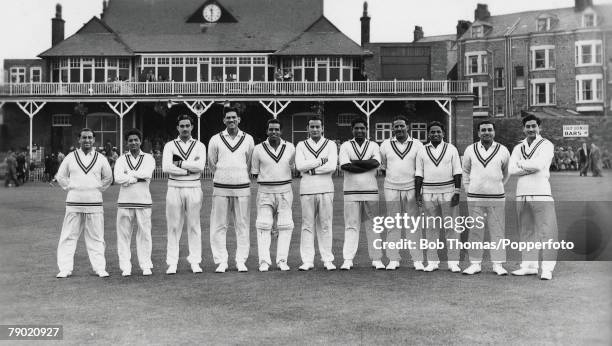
164	90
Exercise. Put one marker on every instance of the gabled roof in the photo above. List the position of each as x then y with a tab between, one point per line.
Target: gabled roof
321	38
95	38
522	23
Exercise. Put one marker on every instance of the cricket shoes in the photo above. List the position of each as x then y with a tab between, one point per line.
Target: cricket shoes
282	265
63	274
329	266
242	267
499	269
525	271
393	265
221	268
171	269
263	267
546	275
454	267
102	273
126	273
418	266
347	265
195	268
431	266
306	266
474	268
147	272
378	265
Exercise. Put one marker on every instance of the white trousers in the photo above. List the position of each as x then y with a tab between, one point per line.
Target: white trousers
183	206
493	214
74	224
403	202
537	223
317	217
438	204
126	217
269	206
357	214
239	209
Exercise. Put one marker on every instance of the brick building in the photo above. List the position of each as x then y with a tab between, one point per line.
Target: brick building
553	61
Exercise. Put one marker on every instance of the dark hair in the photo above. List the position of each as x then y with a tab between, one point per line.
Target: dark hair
435	123
314	118
87	129
228	110
131	132
531	117
184	117
485	122
359	120
274	121
400	117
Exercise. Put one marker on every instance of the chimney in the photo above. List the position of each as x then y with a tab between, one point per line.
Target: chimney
462	27
365	25
57	26
482	12
418	33
582	4
104	6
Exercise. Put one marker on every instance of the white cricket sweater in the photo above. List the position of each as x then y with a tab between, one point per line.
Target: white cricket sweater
359	186
316	177
273	166
189	171
485	171
399	162
230	161
128	169
84	177
438	166
532	164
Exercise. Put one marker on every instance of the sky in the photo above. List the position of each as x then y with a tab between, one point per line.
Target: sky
26	24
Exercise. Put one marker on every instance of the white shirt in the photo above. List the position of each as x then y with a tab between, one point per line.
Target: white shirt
438	167
128	170
230	160
193	160
359	186
273	166
316	176
485	171
399	161
535	158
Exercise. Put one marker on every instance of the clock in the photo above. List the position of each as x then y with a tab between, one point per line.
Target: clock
211	13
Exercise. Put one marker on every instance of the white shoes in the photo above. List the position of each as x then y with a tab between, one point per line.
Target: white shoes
474	268
147	272
378	265
195	268
431	266
126	273
263	267
171	269
347	265
546	275
393	265
499	269
418	266
306	266
63	274
525	271
329	266
221	268
102	273
282	265
242	268
454	267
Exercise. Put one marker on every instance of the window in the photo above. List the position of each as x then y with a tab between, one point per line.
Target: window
18	74
477	31
476	63
481	95
543	24
499	77
519	77
589	20
588	53
60	120
149	61
542	57
499	110
383	131
35	74
259	60
543	92
104	125
344	119
589	88
419	131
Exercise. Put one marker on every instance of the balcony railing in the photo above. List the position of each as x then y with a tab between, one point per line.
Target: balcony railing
417	87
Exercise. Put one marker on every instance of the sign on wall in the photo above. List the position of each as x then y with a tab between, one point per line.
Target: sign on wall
575	130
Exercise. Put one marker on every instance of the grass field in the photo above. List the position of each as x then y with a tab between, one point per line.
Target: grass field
362	306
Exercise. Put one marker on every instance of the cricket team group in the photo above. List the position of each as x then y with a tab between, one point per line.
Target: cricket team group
419	178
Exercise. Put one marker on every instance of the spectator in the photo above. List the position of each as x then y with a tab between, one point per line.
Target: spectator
278	75
584	160
11	170
48	168
605	159
54	167
21	168
595	160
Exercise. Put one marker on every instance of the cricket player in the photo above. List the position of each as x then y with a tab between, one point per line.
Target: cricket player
316	158
359	158
85	174
184	159
229	158
485	171
531	160
398	161
438	185
133	171
271	164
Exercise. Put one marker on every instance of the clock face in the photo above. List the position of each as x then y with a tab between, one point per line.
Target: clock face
211	13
